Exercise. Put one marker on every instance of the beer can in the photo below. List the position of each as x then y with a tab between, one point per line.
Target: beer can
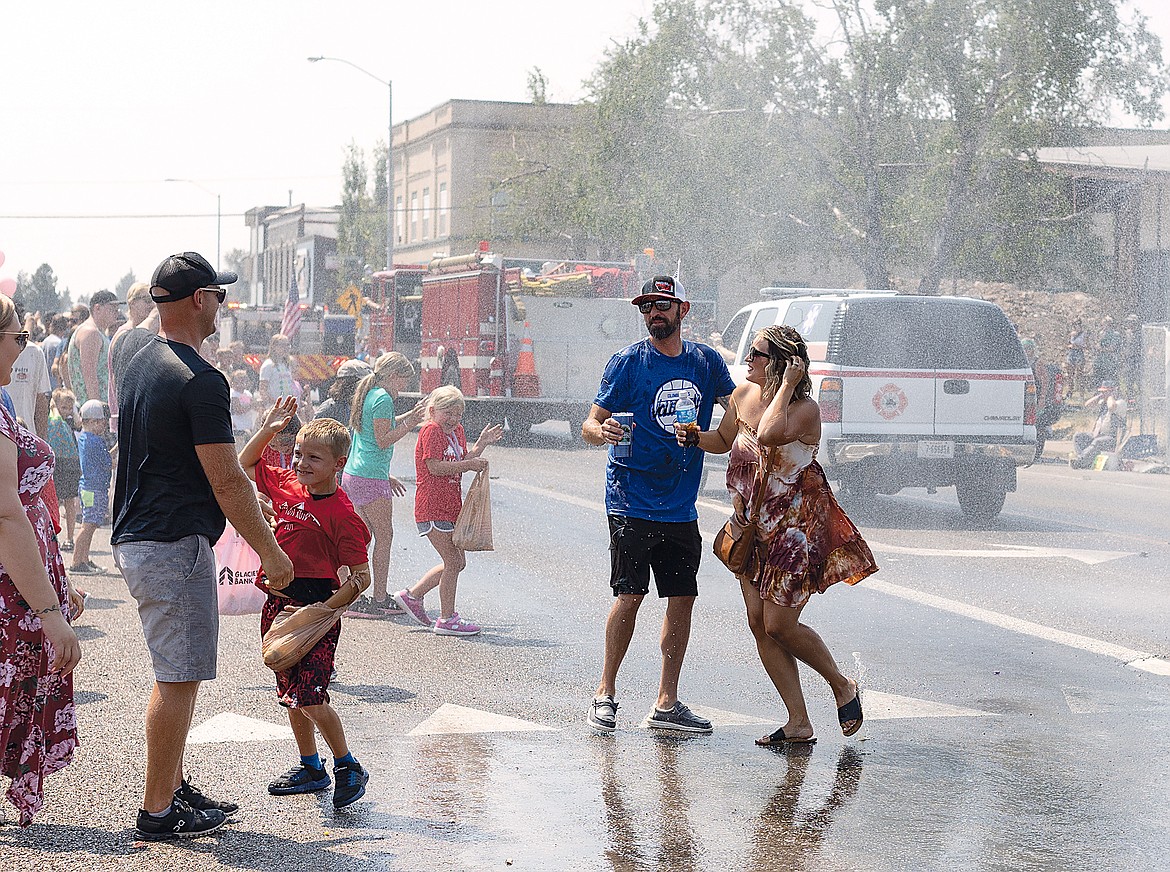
625	445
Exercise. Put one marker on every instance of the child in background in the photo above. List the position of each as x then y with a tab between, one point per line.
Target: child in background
319	529
96	467
243	412
278	453
62	438
441	457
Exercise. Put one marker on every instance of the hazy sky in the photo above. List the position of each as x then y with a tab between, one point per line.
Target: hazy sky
104	101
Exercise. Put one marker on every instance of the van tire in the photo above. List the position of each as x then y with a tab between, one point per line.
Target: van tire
981	497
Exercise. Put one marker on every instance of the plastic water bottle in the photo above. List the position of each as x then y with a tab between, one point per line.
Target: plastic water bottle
685	412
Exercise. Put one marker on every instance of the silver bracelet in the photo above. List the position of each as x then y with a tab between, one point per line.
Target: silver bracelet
50	609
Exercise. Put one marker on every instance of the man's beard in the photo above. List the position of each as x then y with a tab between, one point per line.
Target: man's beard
663	331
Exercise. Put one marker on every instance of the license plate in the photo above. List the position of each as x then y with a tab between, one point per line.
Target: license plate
936	450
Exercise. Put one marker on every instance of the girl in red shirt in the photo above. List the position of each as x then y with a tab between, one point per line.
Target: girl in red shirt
441	456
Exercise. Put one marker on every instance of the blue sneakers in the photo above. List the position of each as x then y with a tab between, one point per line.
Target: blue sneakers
300	779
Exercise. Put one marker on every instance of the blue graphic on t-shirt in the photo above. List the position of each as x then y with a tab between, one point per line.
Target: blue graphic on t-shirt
659	481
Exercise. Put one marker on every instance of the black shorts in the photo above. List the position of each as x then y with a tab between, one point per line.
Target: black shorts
672	550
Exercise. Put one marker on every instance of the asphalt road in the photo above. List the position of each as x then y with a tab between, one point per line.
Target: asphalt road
1014	683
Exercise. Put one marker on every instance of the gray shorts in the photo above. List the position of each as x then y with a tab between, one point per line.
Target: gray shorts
174	584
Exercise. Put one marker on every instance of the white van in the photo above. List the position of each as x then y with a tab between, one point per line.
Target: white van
914	391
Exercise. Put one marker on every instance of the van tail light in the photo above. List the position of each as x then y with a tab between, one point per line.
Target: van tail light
1030	402
829	399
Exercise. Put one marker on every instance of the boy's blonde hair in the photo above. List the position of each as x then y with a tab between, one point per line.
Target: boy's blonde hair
332	434
446	397
62	393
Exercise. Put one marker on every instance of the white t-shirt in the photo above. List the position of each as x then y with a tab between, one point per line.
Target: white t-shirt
30	377
279	378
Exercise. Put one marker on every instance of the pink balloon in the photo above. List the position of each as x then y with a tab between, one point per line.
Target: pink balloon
7	287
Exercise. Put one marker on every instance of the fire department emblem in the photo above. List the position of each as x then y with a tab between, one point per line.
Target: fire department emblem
890	401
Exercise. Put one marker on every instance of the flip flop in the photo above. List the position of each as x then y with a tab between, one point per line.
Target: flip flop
778	738
851	711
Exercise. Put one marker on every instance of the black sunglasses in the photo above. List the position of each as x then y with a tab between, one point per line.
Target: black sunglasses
754	352
660	305
220	293
21	337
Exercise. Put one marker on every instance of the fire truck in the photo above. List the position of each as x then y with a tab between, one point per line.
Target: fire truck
524	340
319	346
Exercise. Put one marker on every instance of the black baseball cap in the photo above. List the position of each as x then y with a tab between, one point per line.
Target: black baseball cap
660	288
181	275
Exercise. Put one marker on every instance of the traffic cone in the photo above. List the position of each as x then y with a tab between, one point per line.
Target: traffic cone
525	382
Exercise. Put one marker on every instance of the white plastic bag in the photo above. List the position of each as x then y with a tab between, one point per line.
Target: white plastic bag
237	566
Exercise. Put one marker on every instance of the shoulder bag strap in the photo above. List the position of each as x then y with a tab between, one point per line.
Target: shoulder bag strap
761	485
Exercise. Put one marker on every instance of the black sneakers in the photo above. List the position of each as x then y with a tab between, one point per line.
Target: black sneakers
181	822
300	779
678	718
194	797
351	783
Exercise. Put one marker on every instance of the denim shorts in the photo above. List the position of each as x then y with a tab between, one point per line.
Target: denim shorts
95	506
174	584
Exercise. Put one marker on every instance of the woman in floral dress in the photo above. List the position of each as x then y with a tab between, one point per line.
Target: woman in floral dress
810	543
38	648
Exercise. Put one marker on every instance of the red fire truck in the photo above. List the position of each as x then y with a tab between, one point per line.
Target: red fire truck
525	340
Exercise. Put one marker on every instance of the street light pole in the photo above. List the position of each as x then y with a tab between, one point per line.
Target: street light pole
218	215
389	151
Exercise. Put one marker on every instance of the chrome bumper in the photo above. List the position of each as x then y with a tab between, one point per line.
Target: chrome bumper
843	452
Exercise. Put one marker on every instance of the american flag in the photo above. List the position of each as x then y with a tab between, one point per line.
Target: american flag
291	322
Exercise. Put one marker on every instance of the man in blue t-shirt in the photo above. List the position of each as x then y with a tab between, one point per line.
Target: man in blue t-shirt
650	492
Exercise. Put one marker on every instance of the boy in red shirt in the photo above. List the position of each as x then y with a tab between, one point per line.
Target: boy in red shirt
319	529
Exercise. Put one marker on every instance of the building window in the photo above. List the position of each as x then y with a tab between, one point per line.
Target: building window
426	213
414	216
399	220
442	229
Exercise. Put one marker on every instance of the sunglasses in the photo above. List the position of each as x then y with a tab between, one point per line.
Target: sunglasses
220	293
21	337
660	305
754	352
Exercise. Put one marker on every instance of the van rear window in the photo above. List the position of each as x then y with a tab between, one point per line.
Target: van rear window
925	333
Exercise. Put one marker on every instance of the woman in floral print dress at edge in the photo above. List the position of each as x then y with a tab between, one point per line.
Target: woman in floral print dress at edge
38	648
811	544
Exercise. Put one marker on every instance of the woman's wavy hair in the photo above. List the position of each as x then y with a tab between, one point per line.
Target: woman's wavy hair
7	311
784	343
390	363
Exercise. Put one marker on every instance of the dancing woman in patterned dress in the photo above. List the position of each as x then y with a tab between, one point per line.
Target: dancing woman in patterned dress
810	543
38	648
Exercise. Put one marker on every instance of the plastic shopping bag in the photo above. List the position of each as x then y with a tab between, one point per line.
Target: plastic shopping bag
296	630
236	580
473	527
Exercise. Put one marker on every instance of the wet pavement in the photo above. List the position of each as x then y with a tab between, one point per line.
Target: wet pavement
1004	728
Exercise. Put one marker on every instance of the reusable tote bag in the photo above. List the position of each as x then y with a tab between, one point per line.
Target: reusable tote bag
237	565
473	527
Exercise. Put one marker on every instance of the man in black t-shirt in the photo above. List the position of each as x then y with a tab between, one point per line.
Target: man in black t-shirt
178	476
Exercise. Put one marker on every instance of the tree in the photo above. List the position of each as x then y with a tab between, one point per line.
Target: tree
899	135
537	87
357	239
235	260
38	292
124	285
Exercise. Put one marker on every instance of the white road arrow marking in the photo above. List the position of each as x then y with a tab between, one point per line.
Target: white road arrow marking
878	706
229	727
1082	555
450	719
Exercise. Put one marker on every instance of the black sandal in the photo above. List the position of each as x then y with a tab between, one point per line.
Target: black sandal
778	738
851	711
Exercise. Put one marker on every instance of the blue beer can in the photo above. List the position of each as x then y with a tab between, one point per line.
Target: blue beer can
625	445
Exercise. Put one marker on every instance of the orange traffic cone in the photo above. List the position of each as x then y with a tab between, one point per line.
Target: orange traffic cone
525	382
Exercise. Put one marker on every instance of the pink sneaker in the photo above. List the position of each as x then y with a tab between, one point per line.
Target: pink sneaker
455	626
412	607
